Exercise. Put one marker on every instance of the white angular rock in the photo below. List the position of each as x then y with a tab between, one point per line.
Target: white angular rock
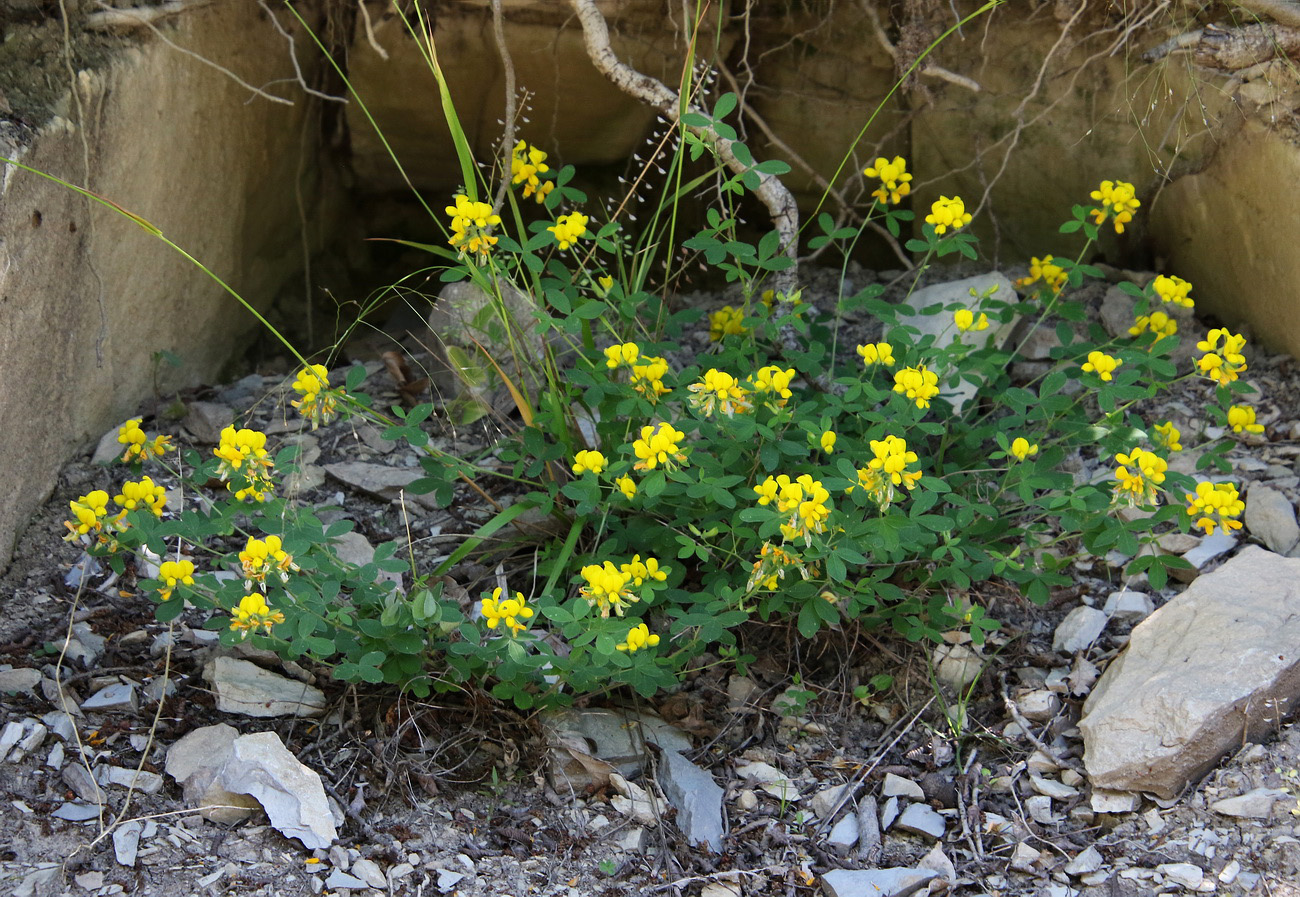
1270	517
369	872
1089	860
825	801
1104	801
1188	875
770	779
1024	857
1188	686
126	842
1079	629
378	480
1254	804
23	679
194	762
922	819
1040	705
245	688
1129	605
1052	788
1209	549
142	780
291	794
957	665
115	697
844	834
897	786
585	745
896	881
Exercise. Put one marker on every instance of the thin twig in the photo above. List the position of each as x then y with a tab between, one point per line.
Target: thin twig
370	31
293	57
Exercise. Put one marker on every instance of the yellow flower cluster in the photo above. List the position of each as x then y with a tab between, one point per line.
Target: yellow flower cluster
1021	449
316	402
769	569
726	321
627	486
918	384
88	512
262	556
173	574
622	354
588	460
965	320
946	213
893	179
658	446
142	495
471	227
887	470
1222	363
138	445
1140	485
1118	201
646	374
720	390
773	384
1242	418
526	164
1167	436
610	588
1048	272
497	610
638	637
1215	504
243	453
876	353
1102	365
1157	322
806	500
254	613
1173	289
568	229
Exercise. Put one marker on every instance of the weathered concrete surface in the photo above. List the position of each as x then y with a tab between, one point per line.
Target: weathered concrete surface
86	296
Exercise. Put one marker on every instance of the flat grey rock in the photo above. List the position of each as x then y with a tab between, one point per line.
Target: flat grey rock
194	763
126	842
897	786
23	679
1209	549
378	480
891	882
1187	688
142	780
696	796
1254	804
343	881
115	697
844	834
83	783
922	819
613	737
245	688
76	812
291	794
206	420
1129	605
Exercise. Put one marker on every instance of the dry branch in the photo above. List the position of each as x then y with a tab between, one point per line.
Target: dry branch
771	192
1284	12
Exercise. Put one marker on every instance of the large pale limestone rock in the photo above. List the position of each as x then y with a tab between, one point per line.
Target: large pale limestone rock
1216	665
86	297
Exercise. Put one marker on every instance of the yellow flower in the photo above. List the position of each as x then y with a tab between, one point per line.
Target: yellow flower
1157	322
918	384
1118	200
828	441
243	455
876	353
172	574
721	390
138	446
471	227
638	571
770	567
497	610
1021	448
315	401
893	179
1225	363
887	470
806	500
627	486
88	513
661	446
1167	436
254	613
726	321
1139	486
965	320
1045	270
638	637
144	494
568	229
588	461
622	354
1173	289
773	384
946	213
1242	417
605	283
647	378
526	164
262	556
1215	504
1102	365
606	588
